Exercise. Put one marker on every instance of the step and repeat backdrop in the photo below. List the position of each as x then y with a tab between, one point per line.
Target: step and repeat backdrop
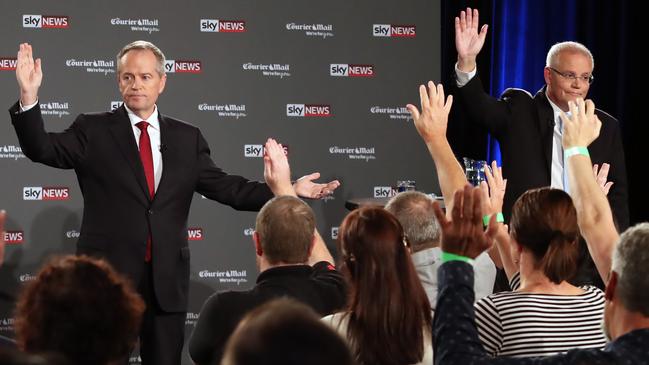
328	79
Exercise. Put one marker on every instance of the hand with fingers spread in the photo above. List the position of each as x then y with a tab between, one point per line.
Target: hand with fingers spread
601	174
29	74
463	235
305	187
468	41
277	172
432	121
583	125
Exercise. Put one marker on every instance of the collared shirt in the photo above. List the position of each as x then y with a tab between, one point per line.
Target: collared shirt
457	342
154	136
427	262
557	176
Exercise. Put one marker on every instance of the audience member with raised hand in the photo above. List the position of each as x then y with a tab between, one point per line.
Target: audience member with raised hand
594	214
626	317
388	317
431	125
292	259
493	193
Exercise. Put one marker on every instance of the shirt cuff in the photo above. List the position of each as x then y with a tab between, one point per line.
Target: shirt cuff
462	78
24	108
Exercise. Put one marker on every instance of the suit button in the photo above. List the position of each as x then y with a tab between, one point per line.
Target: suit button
150	212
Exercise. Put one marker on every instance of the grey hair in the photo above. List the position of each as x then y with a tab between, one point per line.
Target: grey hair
143	45
557	48
414	210
631	263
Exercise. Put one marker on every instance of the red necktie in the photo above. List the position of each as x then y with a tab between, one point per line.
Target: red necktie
147	162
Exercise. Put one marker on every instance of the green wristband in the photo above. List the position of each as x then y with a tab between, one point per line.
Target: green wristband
572	151
499	218
446	257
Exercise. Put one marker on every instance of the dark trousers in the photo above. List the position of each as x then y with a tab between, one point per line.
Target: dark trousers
162	334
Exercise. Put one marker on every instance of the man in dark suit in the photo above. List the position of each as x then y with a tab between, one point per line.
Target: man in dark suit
138	171
528	127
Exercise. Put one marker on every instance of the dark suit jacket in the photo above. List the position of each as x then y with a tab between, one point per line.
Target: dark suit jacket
523	125
457	341
118	212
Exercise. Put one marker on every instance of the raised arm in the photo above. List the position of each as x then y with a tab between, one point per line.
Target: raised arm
277	174
431	125
593	210
468	41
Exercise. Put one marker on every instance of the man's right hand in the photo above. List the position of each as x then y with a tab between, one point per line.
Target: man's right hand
468	42
29	74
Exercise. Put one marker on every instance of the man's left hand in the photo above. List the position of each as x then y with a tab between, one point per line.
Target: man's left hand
305	187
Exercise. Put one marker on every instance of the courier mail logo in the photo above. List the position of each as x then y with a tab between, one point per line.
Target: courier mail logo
177	66
46	21
8	63
46	193
387	30
223	26
195	234
14	237
346	70
308	110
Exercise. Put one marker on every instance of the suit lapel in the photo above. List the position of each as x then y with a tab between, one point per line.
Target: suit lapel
122	132
545	125
165	146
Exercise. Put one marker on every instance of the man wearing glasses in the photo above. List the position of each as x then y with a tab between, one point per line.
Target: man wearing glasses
528	127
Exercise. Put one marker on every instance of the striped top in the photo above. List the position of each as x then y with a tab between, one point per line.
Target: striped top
524	324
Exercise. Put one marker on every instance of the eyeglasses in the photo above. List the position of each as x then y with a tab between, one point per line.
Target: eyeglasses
572	77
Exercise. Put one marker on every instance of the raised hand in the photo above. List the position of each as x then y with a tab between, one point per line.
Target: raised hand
493	189
601	174
305	187
468	42
432	121
583	125
277	172
29	74
464	234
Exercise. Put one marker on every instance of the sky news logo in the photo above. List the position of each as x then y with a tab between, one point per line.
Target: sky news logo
46	193
115	104
223	26
400	31
334	233
46	21
308	110
178	66
8	63
14	237
384	192
195	234
346	70
257	150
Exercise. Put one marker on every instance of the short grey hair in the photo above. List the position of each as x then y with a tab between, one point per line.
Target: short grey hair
143	45
414	210
631	264
557	48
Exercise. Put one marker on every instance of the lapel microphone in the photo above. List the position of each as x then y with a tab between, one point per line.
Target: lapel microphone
162	148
